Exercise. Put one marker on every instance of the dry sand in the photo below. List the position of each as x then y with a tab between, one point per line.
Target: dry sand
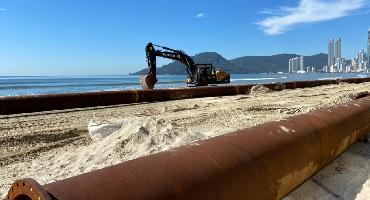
50	146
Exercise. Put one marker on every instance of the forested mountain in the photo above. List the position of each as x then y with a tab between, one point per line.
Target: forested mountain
245	64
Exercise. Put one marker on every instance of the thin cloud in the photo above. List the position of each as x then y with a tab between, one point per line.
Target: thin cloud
307	11
3	9
276	12
200	15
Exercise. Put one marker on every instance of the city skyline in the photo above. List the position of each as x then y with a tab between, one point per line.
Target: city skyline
336	63
368	47
108	37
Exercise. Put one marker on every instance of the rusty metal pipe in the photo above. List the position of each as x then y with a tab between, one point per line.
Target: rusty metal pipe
261	162
360	95
36	103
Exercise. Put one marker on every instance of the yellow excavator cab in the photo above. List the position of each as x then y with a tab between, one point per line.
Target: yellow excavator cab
188	80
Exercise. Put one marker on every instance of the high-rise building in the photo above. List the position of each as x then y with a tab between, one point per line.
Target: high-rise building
334	52
362	60
301	63
354	65
348	68
331	53
340	64
338	48
296	64
368	48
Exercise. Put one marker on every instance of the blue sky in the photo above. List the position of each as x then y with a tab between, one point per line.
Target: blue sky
91	37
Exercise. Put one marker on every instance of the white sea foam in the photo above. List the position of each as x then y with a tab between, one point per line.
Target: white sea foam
362	75
257	79
330	78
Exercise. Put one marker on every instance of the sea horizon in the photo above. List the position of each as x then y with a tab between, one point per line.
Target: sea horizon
45	84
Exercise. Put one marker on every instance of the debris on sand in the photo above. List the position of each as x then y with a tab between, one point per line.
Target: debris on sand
260	89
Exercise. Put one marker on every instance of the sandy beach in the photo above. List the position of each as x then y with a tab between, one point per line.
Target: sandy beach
54	145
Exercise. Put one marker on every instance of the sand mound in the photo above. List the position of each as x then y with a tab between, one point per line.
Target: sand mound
135	137
344	98
143	135
260	89
330	101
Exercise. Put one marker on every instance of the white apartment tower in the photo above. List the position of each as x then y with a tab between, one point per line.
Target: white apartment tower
334	51
362	60
368	48
331	53
301	63
338	48
296	64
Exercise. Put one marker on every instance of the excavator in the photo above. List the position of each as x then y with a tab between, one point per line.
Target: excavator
198	74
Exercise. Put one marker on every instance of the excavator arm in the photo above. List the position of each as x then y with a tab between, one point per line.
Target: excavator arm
148	81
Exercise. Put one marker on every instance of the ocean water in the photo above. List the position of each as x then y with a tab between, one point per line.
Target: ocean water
30	85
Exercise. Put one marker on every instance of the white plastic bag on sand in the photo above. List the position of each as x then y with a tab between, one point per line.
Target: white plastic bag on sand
98	131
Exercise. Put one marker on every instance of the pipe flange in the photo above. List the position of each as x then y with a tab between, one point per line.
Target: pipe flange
27	189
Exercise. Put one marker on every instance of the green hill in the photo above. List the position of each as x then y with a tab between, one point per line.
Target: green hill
245	64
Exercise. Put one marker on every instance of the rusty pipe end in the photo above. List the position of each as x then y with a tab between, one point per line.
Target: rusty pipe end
27	189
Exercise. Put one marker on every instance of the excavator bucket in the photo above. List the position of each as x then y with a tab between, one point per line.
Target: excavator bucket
148	81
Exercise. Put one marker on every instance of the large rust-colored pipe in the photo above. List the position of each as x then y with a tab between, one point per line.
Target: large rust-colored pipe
35	103
261	162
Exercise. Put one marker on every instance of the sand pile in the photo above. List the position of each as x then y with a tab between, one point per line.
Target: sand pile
135	137
138	136
334	100
259	89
